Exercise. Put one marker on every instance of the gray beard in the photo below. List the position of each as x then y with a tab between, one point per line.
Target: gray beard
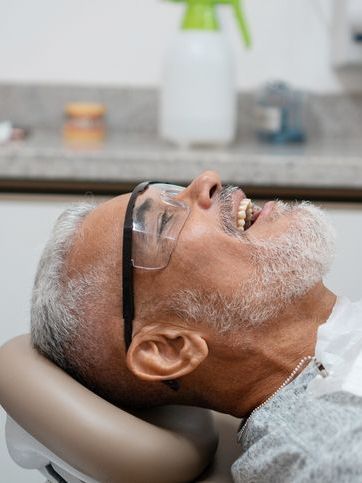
284	268
287	267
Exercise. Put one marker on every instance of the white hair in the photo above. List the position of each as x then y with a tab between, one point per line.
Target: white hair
71	306
56	299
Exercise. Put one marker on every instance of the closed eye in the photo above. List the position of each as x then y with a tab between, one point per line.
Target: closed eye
164	219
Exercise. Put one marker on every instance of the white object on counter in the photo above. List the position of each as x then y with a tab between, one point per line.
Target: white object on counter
347	33
198	93
354	16
6	130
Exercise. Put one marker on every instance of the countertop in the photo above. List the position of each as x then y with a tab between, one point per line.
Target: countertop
329	169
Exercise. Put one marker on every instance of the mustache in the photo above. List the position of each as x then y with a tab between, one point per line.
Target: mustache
226	210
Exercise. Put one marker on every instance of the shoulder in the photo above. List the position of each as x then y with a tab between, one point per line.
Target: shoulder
296	434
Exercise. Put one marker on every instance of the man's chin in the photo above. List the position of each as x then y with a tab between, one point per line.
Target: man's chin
288	266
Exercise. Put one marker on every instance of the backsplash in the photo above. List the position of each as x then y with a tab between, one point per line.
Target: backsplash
135	110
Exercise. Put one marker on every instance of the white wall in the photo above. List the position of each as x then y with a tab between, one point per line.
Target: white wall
25	225
123	42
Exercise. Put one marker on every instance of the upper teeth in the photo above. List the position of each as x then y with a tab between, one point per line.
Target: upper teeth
245	213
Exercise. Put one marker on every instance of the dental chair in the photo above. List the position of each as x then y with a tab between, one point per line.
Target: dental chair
69	434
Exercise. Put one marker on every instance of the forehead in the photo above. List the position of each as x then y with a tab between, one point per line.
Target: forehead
107	216
101	230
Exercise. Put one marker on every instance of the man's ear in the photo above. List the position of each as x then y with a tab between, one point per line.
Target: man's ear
162	353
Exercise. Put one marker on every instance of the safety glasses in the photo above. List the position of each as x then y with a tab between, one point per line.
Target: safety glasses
153	222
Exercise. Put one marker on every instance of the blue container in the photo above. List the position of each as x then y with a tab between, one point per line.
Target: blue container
279	114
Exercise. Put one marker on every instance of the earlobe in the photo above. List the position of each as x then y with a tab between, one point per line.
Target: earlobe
160	353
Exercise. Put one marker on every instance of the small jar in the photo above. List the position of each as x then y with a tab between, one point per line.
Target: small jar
280	114
84	123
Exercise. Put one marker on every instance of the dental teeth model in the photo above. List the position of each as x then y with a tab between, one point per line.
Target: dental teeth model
245	214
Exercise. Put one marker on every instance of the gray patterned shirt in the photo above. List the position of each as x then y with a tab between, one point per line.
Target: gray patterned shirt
298	438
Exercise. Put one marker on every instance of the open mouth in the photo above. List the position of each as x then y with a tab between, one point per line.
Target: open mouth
247	213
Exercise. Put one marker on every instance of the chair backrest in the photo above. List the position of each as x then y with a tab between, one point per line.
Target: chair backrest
55	420
28	453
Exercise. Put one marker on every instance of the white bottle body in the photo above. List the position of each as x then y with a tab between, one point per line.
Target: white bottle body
198	92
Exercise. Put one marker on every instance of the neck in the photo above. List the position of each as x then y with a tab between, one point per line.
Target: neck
258	360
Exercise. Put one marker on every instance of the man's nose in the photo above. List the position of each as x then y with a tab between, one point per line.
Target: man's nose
202	189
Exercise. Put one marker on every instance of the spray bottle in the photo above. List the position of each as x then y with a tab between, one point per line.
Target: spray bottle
198	92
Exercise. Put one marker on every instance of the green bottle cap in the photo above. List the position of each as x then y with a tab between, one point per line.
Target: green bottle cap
201	15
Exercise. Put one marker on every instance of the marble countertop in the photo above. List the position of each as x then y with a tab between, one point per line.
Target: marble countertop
43	157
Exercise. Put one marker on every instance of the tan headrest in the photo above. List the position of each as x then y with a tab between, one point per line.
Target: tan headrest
95	437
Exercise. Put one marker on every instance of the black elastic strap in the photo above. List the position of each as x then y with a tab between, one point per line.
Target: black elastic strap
127	267
173	384
127	274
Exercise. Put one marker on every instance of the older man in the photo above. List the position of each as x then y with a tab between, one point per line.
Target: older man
197	296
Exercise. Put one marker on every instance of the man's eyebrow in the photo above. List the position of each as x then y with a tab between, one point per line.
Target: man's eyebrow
142	209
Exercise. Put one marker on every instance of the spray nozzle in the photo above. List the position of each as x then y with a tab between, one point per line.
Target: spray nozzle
237	5
200	15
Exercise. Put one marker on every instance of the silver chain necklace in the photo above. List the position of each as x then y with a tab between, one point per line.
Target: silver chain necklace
302	363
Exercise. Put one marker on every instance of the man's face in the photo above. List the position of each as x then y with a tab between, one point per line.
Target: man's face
250	273
253	273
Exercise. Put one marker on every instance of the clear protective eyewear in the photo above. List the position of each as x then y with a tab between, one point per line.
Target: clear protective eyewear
157	220
153	222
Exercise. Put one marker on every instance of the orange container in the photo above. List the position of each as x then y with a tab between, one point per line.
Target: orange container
84	122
